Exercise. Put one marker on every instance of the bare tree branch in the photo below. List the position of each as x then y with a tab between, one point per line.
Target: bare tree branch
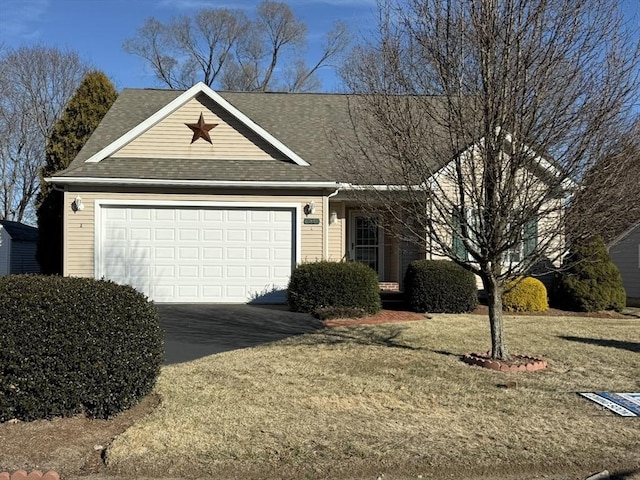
487	116
222	47
35	85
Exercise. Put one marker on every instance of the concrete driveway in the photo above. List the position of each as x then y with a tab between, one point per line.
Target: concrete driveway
196	330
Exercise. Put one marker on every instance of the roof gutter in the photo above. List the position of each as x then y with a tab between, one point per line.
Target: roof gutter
151	182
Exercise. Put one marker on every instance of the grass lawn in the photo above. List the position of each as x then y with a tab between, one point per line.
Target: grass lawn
395	399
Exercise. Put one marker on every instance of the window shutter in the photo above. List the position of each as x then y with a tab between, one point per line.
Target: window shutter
458	246
530	236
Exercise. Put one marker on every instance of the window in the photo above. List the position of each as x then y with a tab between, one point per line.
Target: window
516	254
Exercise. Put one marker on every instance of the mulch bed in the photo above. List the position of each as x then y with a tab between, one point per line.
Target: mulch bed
398	316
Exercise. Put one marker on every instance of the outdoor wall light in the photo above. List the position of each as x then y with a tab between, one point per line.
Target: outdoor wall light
77	205
309	208
333	218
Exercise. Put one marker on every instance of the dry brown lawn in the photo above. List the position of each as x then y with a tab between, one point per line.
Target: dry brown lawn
396	400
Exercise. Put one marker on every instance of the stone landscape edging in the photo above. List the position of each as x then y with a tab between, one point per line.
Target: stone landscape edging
484	360
34	475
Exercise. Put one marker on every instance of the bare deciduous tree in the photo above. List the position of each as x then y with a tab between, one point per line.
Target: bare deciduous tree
224	47
35	85
477	120
609	201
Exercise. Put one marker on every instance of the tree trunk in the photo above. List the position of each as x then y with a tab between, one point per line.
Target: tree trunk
494	300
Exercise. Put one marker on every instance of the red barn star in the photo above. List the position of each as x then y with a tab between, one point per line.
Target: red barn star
201	129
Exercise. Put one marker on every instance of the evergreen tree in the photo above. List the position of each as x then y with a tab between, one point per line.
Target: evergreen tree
85	109
590	281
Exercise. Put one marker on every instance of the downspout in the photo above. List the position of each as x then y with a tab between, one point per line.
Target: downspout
327	217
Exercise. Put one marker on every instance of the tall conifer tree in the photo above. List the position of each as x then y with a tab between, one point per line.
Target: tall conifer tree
85	110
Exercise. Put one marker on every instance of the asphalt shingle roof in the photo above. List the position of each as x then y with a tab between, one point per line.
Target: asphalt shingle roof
299	121
20	231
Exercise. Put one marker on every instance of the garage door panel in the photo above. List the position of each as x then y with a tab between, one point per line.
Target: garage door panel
213	234
189	234
198	254
212	272
163	271
212	253
236	253
164	234
236	216
189	253
188	214
236	271
188	271
164	253
260	254
237	235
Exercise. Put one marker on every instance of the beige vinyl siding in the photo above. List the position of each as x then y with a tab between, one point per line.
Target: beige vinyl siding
337	232
79	253
171	138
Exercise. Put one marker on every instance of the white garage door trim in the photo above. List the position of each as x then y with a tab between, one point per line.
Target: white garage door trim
100	206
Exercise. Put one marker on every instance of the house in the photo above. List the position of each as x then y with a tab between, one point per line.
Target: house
199	196
18	245
625	253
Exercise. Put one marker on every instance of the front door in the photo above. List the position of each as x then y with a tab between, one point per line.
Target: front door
366	241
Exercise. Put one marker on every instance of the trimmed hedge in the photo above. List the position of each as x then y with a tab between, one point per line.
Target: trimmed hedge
72	345
525	295
440	286
589	281
328	289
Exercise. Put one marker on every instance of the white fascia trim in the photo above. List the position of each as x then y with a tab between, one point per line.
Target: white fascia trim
380	188
180	101
471	150
186	183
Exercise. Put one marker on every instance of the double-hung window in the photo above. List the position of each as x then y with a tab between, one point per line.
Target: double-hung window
526	245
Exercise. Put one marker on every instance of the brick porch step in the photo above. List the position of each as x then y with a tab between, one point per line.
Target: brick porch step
389	286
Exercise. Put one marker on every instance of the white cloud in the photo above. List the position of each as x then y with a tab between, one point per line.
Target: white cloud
20	17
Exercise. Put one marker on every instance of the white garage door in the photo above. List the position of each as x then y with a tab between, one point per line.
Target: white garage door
198	254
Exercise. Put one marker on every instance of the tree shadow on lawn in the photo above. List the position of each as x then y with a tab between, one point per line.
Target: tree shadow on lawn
603	342
384	336
626	475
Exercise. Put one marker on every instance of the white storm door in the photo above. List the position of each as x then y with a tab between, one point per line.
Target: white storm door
199	255
366	242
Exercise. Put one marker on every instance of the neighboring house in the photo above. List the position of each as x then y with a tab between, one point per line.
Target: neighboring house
625	253
195	196
18	245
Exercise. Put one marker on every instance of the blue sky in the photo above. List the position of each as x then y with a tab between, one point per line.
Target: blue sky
96	29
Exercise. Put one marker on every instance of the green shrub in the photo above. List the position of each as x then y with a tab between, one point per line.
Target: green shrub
71	345
322	287
525	295
589	280
440	286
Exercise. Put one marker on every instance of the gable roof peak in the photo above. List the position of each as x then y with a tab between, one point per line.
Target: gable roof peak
186	96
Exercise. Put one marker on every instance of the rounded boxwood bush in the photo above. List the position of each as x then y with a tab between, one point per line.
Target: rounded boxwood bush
440	286
321	288
525	295
71	345
589	281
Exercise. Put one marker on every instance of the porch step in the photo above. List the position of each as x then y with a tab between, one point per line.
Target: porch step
392	300
389	286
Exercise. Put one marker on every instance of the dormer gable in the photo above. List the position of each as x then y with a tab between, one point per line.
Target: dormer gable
167	134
